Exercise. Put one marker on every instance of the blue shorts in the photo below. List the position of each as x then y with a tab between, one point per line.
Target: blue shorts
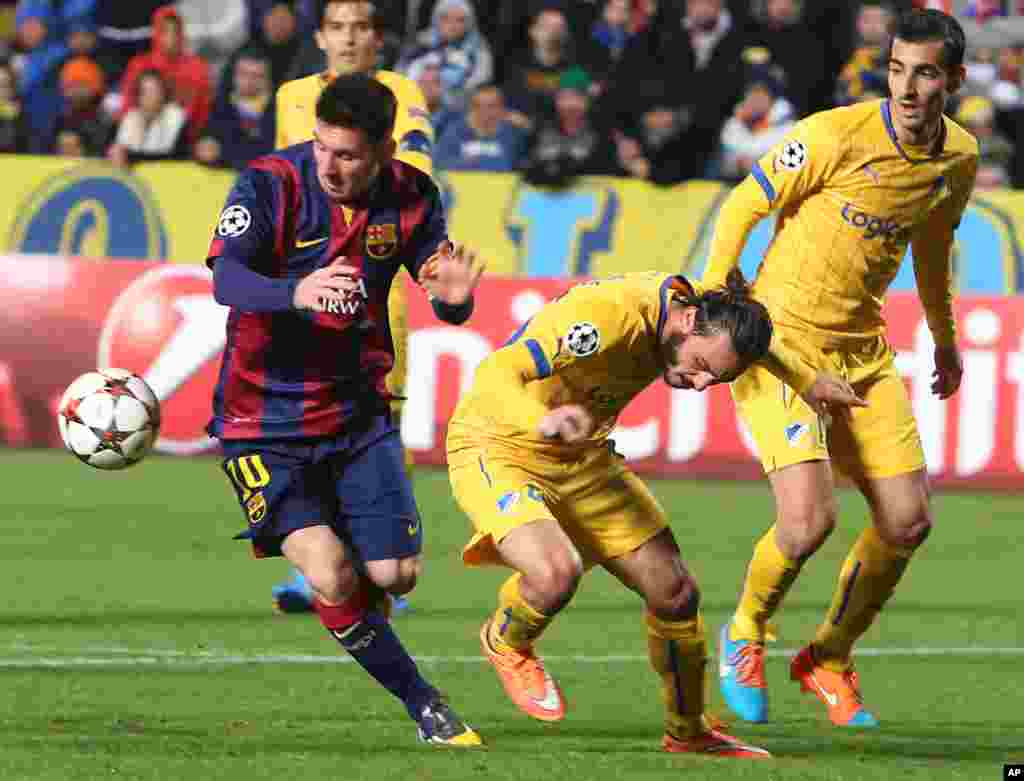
354	482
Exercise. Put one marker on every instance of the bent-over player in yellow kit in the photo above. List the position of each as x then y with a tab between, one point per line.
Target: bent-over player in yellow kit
350	38
854	187
532	466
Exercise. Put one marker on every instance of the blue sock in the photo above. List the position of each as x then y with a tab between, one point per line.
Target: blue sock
373	643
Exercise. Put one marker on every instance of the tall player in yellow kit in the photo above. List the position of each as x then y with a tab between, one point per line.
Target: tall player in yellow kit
853	187
349	37
531	464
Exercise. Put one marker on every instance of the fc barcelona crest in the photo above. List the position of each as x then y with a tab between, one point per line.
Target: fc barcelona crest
381	240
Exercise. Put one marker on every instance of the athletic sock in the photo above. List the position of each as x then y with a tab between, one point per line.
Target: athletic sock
365	633
867	580
516	625
678	653
769	577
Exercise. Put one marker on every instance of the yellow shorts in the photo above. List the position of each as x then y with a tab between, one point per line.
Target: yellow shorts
601	505
880	440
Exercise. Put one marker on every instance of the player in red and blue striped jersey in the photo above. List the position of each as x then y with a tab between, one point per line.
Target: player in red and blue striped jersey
305	253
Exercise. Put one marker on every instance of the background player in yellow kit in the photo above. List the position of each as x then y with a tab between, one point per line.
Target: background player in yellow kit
349	36
854	187
531	464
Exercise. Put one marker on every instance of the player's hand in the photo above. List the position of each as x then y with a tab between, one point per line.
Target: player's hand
569	423
451	273
829	393
949	371
333	283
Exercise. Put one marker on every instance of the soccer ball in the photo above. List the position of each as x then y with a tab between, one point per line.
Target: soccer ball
109	418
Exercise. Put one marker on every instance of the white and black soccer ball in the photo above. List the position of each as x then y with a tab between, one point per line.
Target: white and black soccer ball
792	156
583	339
109	418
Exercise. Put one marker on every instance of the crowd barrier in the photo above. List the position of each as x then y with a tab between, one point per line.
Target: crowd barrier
60	317
600	226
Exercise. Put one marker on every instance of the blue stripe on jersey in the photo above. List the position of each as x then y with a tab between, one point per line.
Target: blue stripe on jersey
539	358
284	367
762	179
416	141
518	332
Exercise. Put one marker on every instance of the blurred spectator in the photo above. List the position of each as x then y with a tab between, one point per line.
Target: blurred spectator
304	15
986	24
666	132
978	115
69	143
532	74
14	128
569	145
415	16
696	48
187	75
241	127
123	30
82	86
426	72
465	57
483	139
994	73
279	30
778	27
865	75
759	122
42	52
214	30
155	129
609	36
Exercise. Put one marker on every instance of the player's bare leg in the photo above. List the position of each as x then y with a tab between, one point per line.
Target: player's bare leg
548	571
902	520
676	645
806	515
345	602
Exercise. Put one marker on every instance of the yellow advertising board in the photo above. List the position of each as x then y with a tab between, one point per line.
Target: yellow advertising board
600	226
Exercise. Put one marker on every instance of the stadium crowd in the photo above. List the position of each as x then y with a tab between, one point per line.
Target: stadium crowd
663	90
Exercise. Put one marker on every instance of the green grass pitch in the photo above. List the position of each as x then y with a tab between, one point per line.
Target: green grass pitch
137	641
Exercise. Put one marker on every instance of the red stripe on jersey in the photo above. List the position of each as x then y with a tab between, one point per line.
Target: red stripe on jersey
243	389
290	182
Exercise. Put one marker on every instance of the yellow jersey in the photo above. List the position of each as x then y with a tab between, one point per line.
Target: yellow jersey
598	346
851	198
414	134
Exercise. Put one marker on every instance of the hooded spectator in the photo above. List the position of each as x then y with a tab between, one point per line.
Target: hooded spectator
187	75
464	56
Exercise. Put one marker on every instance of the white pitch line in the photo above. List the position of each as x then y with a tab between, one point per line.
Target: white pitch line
181	659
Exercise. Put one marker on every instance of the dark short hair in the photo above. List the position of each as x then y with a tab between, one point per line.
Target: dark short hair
375	13
920	26
731	309
359	102
254	53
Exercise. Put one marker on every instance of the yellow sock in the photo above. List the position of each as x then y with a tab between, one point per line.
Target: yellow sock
866	581
769	577
516	624
678	654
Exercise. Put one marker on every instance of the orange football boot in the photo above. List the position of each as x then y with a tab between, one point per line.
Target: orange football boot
526	681
713	743
839	692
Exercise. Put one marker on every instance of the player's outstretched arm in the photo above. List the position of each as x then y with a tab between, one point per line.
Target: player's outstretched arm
824	392
450	276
